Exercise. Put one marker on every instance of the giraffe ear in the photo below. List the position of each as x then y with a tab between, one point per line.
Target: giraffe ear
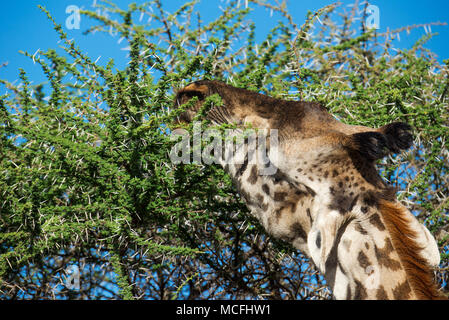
399	136
392	137
371	145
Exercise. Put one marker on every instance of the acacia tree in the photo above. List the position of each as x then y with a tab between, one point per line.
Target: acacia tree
86	178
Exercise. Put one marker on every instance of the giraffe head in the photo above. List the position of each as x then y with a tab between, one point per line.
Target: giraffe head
365	243
294	119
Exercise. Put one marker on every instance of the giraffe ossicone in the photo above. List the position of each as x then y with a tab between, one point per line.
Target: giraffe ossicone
326	197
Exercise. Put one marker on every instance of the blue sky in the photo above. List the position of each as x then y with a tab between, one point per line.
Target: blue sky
25	27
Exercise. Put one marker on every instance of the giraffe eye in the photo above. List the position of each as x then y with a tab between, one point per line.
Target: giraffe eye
318	240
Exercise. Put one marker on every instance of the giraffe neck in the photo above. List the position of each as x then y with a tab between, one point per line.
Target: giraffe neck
381	257
342	229
362	240
285	211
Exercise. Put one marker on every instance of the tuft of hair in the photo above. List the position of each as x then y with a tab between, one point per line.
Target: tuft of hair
399	136
419	272
371	145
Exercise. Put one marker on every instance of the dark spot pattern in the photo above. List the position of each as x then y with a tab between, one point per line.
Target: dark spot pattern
341	202
363	260
402	291
266	189
381	294
360	291
253	175
280	196
298	231
360	229
377	222
383	256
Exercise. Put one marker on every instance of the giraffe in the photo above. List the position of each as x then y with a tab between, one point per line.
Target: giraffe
326	197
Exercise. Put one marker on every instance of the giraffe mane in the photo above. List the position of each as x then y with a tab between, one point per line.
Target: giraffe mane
419	273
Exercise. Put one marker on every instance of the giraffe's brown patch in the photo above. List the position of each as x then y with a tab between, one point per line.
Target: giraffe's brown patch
370	199
278	214
363	260
360	229
419	273
260	202
280	196
367	245
381	294
342	202
310	191
383	256
295	231
360	291
293	205
278	177
332	259
253	175
240	169
402	291
377	222
348	292
266	189
309	214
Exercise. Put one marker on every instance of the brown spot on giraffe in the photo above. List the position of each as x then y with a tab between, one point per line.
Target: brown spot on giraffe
253	175
266	189
360	291
381	294
383	256
359	228
402	291
363	260
279	196
375	220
